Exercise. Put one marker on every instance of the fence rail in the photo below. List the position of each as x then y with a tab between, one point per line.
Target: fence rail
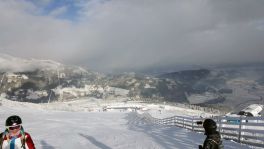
247	130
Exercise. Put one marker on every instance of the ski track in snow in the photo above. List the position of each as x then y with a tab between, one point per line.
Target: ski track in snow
100	130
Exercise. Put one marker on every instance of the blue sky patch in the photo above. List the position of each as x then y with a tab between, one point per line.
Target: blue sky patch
71	12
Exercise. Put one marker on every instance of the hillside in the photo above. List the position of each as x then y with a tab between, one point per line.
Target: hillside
43	81
234	87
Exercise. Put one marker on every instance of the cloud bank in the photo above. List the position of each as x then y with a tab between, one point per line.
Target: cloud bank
108	35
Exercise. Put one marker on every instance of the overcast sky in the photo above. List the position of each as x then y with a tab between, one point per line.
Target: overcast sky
107	35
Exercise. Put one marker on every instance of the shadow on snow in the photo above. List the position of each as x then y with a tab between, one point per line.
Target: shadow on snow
95	142
45	145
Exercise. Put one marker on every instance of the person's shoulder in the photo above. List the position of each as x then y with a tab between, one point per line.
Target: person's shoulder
27	134
208	144
217	132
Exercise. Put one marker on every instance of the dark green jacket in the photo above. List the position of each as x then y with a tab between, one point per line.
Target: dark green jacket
213	141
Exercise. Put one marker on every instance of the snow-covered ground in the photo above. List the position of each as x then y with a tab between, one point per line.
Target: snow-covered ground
115	129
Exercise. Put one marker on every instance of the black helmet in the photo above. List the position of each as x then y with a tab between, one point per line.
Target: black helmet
209	125
13	120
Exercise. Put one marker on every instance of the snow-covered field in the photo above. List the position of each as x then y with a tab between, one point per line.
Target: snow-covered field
115	129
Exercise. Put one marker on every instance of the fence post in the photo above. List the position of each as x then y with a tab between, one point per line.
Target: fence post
183	122
239	130
220	123
192	124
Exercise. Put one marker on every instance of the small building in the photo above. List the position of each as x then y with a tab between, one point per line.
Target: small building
11	77
252	110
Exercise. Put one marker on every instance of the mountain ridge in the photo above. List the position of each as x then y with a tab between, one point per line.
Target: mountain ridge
47	80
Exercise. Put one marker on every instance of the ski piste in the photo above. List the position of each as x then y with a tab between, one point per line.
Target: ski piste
52	128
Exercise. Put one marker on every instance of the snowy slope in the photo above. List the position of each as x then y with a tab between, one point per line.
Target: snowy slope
15	64
98	130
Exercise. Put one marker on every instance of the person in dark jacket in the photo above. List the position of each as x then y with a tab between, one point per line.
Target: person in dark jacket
213	137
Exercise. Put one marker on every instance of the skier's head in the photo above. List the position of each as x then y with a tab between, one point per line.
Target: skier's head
13	121
209	126
13	124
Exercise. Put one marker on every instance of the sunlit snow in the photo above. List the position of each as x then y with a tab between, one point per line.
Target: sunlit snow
116	129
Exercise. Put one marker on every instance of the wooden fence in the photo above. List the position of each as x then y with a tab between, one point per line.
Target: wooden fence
246	130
